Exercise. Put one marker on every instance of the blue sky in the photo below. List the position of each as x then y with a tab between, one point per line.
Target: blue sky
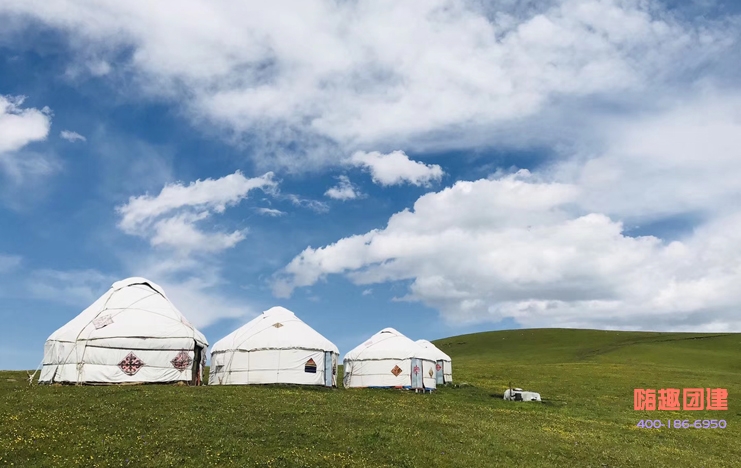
439	167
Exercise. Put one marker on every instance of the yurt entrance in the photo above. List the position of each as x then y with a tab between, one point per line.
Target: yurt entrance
440	376
417	382
328	369
197	360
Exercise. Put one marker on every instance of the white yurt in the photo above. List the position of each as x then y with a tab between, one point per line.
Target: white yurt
275	347
390	359
131	334
444	365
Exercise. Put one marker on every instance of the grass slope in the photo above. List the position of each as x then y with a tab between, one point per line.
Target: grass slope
586	377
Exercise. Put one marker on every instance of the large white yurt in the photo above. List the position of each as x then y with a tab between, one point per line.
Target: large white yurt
275	347
444	366
390	359
131	334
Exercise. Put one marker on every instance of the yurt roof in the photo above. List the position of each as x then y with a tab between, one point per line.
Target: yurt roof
276	328
389	344
441	356
133	307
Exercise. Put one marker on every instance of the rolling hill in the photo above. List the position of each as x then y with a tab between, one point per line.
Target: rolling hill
586	378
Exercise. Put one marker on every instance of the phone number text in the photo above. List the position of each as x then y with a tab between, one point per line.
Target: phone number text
682	424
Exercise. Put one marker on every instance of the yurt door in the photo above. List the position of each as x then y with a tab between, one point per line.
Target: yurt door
328	368
417	382
440	372
197	356
334	370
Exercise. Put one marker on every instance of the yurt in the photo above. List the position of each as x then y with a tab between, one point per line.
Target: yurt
132	334
444	366
390	359
275	347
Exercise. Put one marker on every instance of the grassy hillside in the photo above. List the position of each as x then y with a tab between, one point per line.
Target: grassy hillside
587	419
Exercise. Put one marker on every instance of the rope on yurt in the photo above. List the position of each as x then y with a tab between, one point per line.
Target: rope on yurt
80	362
31	376
81	359
227	368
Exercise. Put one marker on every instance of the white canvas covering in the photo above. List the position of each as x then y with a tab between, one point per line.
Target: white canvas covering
389	359
442	359
275	347
131	334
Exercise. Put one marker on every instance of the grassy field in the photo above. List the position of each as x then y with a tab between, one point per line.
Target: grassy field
586	420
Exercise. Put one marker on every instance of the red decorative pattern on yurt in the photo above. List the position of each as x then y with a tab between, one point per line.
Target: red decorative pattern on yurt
131	364
182	361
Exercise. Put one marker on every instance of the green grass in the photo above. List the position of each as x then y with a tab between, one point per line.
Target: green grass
587	419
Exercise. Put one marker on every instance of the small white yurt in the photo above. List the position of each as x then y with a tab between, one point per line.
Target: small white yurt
390	359
131	334
444	366
275	347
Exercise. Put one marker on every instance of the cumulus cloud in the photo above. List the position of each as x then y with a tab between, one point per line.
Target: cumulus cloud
188	267
518	247
171	218
214	194
19	166
180	231
19	126
396	168
344	190
377	73
331	78
71	136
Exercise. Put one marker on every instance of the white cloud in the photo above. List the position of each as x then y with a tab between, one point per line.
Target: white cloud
180	231
270	212
344	190
519	247
21	168
396	168
19	126
370	74
189	270
314	205
170	219
684	160
71	136
213	194
332	78
367	292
